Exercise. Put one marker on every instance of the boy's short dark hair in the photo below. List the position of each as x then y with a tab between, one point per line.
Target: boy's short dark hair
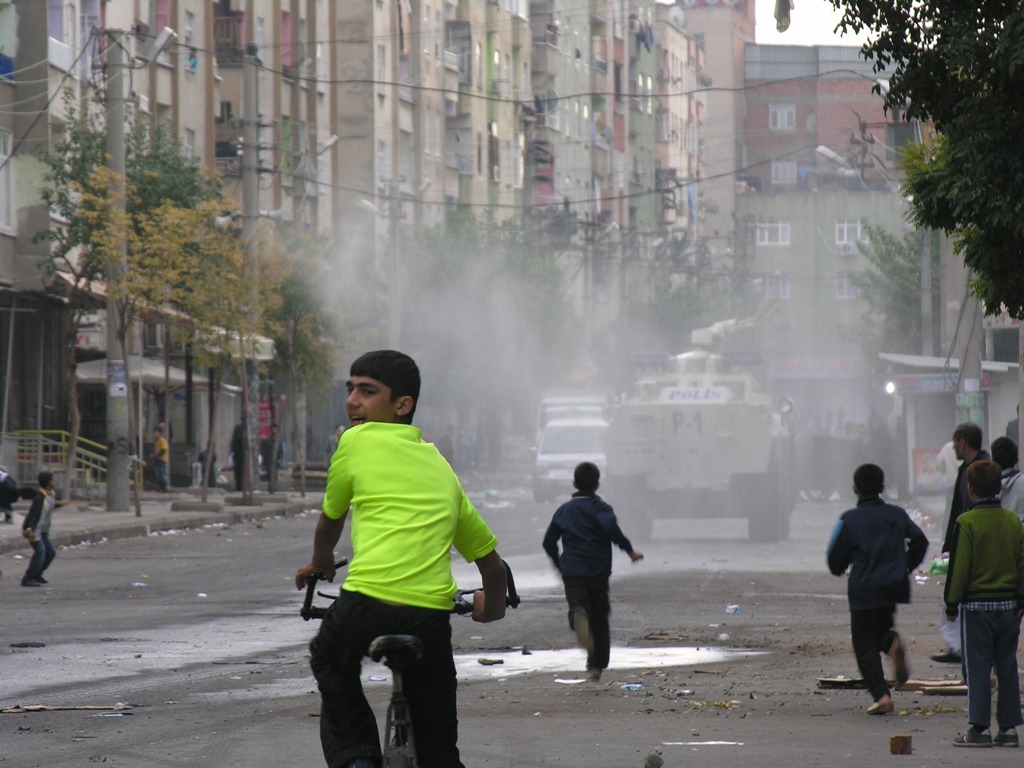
586	477
44	478
869	479
984	478
970	433
395	370
1004	452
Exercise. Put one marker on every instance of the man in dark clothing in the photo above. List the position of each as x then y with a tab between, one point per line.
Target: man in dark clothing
967	446
239	451
587	526
985	586
271	453
881	545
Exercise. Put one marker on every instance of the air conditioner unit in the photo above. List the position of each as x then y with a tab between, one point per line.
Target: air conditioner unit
848	249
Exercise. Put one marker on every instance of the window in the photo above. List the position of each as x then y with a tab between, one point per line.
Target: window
777	286
427	18
773	233
783	172
190	143
428	127
848	232
382	69
190	27
845	287
6	185
782	117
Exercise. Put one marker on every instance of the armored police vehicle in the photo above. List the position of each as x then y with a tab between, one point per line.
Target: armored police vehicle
696	438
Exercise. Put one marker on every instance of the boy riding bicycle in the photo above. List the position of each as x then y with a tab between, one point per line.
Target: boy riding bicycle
408	511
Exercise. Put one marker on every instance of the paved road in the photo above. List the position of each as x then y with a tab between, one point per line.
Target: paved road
197	633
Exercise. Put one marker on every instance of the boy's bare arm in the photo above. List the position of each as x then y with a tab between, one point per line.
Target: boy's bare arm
489	602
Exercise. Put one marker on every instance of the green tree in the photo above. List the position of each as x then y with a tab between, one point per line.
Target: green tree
958	65
892	288
170	203
305	331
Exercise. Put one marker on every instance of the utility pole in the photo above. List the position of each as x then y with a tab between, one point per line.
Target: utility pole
250	216
927	332
119	449
395	288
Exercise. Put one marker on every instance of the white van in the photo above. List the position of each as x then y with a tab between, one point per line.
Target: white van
563	444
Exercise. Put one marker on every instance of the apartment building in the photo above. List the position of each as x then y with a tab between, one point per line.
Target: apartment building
372	118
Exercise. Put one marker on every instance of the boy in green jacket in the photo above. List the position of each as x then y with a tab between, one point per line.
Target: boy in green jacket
985	584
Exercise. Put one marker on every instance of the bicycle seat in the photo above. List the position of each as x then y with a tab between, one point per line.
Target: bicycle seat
398	651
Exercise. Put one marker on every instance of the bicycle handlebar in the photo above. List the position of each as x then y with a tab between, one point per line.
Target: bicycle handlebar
460	605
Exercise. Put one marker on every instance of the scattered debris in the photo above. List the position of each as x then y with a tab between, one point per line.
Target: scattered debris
489	662
28	644
654	759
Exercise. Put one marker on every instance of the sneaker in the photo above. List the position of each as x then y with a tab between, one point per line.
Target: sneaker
41	580
360	762
973	738
899	660
948	656
582	625
30	583
1007	738
594	676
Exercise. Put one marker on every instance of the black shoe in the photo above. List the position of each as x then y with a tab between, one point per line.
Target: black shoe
973	738
41	580
946	657
1007	738
30	583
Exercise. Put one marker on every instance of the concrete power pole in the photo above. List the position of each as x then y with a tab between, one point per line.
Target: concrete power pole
250	217
119	449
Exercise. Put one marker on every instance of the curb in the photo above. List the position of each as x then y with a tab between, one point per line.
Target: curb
137	527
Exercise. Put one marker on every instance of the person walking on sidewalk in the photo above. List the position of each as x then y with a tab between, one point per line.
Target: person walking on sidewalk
587	527
985	586
408	512
880	545
36	528
159	456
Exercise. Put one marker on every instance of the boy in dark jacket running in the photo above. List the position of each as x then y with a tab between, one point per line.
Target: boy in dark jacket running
881	545
587	526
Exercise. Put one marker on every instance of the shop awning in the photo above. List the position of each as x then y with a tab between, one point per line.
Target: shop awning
151	372
944	363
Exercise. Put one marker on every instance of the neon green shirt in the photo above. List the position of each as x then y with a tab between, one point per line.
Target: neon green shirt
408	511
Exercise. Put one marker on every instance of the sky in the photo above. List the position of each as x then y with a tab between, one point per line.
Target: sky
812	24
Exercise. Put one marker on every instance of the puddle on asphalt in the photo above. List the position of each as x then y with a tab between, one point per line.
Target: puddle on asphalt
571	661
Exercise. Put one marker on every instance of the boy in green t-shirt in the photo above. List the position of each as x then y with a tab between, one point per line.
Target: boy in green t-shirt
408	510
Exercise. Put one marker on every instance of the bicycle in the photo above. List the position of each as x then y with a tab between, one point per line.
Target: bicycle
398	652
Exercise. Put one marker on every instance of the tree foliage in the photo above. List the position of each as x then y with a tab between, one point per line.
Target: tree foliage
959	65
892	289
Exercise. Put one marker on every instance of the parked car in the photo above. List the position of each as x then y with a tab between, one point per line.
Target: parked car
563	444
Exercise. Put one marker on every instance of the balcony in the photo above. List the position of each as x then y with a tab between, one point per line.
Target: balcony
227	39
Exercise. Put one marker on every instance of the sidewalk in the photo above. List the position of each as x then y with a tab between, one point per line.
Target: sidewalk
89	521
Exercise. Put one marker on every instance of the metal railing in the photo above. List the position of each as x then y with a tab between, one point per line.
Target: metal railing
26	453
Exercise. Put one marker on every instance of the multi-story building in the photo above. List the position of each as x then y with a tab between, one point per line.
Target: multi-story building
583	117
